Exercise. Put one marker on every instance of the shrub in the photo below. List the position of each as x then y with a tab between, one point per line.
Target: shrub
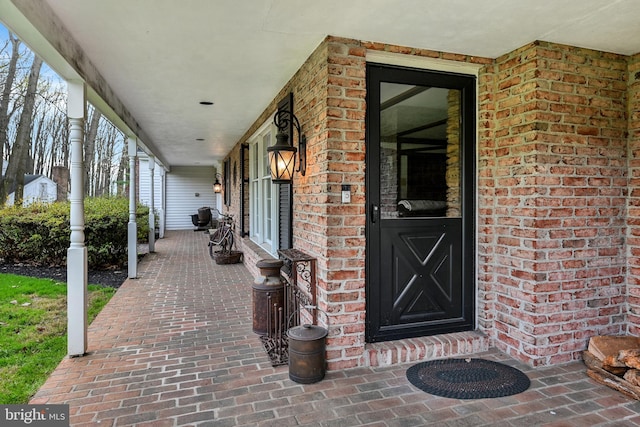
39	234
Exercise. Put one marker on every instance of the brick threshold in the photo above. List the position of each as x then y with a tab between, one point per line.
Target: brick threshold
425	348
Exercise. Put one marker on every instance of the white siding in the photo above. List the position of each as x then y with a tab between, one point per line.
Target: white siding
144	182
188	188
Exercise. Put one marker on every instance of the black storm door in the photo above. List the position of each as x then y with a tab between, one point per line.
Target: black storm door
420	200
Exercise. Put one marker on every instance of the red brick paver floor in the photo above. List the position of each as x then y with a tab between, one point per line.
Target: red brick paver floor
174	347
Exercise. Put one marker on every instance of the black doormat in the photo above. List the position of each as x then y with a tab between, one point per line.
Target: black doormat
467	378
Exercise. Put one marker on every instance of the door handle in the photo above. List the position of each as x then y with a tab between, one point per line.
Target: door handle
375	213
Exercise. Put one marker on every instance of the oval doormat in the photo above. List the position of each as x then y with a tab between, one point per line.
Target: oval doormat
467	378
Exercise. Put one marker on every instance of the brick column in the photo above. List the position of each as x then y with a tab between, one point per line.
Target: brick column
341	279
560	183
633	204
486	182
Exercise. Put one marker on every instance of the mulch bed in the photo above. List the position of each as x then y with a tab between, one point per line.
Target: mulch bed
110	277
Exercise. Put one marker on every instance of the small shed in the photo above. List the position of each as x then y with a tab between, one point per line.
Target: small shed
37	188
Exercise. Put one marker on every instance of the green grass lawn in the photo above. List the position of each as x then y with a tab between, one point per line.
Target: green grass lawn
33	325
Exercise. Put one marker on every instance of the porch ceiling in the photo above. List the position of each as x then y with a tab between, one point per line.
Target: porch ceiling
160	58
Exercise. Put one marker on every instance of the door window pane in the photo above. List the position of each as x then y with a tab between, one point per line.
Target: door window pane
419	151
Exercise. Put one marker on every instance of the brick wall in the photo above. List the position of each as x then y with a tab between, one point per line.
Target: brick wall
486	195
551	194
556	226
342	263
329	93
309	89
633	215
329	97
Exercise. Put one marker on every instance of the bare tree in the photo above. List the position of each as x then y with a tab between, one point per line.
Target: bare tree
4	102
60	144
119	141
34	134
38	145
103	161
19	155
123	173
89	154
49	118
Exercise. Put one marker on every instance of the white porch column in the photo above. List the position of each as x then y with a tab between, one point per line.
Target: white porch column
163	192
152	214
77	266
132	236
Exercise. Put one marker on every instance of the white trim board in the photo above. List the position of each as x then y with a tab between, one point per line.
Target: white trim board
413	61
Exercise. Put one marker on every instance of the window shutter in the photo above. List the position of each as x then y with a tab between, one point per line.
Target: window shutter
285	204
227	182
284	216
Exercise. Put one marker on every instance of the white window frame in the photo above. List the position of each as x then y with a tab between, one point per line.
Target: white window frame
259	178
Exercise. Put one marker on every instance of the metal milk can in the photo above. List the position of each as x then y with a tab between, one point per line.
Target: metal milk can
307	353
268	296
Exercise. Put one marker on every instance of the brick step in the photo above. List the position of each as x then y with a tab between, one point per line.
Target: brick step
425	348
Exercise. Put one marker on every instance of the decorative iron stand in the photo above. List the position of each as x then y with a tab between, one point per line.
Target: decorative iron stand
299	275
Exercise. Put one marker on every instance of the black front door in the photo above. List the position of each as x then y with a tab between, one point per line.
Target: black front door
420	200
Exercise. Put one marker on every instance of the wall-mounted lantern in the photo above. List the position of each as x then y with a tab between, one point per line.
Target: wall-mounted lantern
282	155
217	186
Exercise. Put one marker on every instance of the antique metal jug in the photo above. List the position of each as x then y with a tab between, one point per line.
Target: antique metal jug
307	353
268	297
